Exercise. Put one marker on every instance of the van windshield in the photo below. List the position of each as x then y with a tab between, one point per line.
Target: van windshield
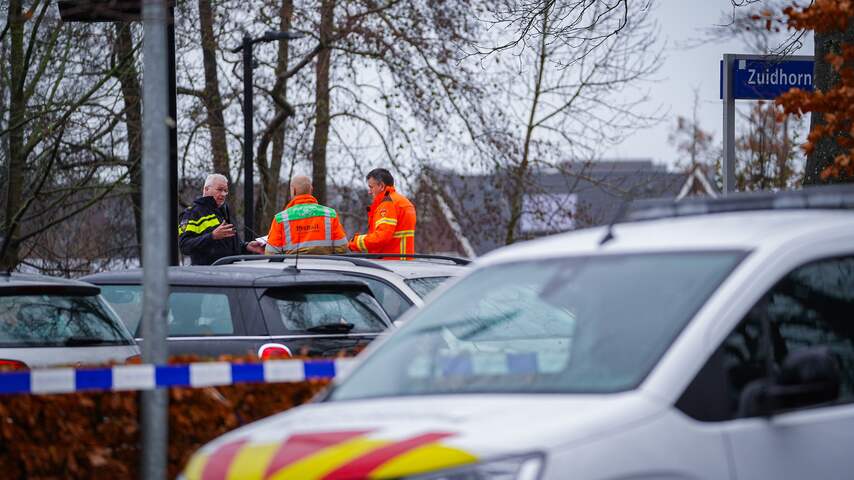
594	324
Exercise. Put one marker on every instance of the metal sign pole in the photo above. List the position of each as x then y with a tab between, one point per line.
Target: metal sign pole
728	166
156	234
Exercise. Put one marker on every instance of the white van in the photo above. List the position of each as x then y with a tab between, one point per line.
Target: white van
683	344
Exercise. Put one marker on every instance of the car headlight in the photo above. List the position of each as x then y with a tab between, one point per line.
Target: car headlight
520	467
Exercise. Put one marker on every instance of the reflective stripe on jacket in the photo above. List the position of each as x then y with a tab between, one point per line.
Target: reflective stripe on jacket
306	227
391	226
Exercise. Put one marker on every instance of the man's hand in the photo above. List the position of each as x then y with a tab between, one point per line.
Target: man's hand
225	230
255	247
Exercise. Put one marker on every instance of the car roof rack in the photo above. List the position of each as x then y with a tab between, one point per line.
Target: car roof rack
358	259
832	197
359	262
423	256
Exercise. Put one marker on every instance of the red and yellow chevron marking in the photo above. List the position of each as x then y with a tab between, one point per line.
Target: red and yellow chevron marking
349	455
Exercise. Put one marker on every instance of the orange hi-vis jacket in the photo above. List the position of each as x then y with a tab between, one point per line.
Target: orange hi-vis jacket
306	227
391	226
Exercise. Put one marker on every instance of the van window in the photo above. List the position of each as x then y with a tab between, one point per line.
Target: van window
809	307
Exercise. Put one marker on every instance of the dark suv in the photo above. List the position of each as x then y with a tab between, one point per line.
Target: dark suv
239	310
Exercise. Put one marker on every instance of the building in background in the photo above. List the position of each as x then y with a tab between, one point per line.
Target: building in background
469	215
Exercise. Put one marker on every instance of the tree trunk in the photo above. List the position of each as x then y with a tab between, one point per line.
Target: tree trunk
286	13
10	247
270	203
825	78
520	173
321	120
131	94
212	98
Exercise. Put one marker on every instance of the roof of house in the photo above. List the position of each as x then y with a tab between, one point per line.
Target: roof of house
593	193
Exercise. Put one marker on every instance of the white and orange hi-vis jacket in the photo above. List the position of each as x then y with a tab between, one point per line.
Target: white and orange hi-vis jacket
306	227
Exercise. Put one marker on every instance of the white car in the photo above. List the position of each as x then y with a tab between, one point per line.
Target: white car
396	284
681	345
47	321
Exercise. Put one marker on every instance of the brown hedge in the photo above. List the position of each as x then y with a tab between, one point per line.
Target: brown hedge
97	435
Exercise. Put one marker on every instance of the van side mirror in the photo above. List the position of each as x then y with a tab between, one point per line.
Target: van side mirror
808	377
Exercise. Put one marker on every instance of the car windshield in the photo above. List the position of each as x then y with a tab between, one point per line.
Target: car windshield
573	325
424	285
59	321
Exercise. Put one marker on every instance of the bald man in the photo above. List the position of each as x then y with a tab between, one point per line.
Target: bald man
304	226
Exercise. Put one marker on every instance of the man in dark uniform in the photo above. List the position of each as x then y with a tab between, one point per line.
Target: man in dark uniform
205	232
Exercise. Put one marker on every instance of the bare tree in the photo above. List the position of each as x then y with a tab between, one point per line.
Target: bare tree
695	143
765	156
273	135
577	91
132	97
63	153
322	107
211	94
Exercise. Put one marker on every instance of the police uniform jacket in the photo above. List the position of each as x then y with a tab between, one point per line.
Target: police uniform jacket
195	235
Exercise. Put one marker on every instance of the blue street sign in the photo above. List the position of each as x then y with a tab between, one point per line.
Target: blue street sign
767	79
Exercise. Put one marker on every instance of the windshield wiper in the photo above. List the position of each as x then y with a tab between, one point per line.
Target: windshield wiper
331	328
83	341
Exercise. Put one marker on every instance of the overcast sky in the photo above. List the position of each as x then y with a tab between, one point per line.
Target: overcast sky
684	69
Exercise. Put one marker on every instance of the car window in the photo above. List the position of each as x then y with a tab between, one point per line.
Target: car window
424	285
811	306
392	301
58	320
199	313
301	311
550	326
126	300
192	310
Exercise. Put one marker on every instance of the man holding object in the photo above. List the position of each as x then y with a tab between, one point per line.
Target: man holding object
205	232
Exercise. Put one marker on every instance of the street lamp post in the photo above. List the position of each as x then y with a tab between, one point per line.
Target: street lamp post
248	127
